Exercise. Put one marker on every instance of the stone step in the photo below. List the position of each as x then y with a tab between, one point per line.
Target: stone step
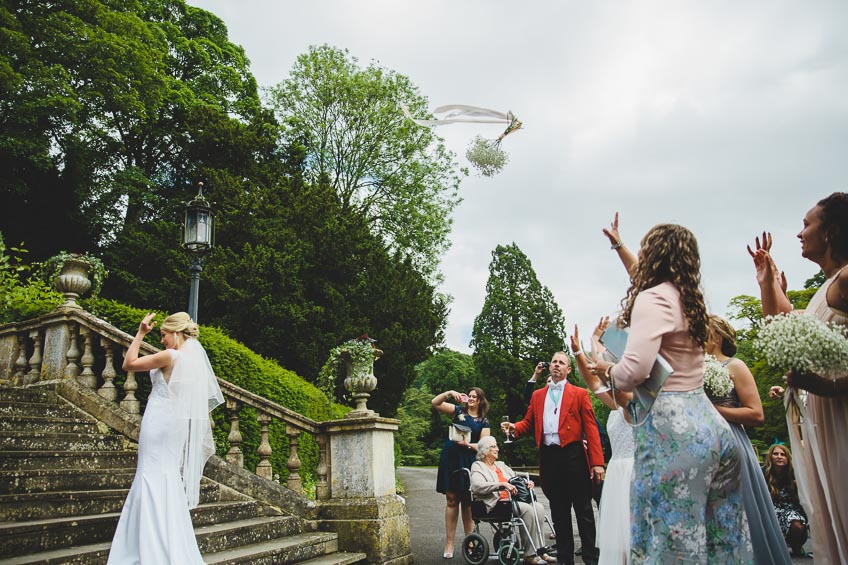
96	554
308	547
92	460
44	409
41	424
48	441
92	554
338	558
45	480
43	505
219	537
22	538
28	394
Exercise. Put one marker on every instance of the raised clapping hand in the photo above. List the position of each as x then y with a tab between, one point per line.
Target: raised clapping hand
764	263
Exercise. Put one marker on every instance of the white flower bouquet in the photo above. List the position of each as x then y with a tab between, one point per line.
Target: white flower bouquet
717	381
486	155
804	344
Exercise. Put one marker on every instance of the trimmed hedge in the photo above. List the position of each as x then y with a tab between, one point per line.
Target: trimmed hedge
234	362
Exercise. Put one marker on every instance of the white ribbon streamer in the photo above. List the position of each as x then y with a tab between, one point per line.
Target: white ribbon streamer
460	113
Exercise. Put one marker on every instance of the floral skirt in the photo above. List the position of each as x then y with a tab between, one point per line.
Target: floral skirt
686	503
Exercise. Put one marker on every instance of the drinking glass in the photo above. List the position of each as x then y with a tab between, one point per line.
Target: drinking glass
508	435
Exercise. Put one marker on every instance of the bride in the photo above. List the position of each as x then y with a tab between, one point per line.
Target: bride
174	443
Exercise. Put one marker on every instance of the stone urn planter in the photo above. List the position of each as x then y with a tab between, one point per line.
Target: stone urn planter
74	275
353	360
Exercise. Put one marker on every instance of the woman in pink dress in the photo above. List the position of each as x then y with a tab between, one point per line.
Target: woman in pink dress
822	457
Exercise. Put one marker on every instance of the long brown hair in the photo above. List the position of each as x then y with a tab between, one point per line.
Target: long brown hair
777	482
669	253
482	403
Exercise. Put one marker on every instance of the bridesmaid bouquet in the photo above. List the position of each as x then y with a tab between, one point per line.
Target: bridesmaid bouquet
804	344
717	381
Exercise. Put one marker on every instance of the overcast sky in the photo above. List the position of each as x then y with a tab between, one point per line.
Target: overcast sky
727	117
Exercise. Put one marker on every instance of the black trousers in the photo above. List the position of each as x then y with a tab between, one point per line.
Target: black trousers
566	484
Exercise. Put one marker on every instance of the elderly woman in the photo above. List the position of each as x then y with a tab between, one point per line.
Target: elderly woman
489	483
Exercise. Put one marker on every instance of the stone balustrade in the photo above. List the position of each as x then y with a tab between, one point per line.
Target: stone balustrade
356	495
73	344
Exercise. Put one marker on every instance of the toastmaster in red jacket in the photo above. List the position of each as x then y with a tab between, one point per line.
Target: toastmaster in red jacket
560	415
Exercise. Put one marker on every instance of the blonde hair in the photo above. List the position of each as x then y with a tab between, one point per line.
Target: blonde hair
722	328
180	323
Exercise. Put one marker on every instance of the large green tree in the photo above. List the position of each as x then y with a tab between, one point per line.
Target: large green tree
101	101
520	324
397	175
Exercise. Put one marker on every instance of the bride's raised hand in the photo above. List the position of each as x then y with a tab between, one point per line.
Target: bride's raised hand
146	324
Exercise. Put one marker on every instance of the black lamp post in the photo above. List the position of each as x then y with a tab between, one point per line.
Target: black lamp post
198	238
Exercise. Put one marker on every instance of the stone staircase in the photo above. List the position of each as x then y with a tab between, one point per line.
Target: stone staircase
64	477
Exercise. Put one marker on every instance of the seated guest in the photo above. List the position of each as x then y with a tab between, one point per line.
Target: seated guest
780	477
489	483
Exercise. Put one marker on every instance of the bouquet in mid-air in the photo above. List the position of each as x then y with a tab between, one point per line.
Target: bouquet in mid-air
486	155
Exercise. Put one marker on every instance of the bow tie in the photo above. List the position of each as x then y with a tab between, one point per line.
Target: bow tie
555	386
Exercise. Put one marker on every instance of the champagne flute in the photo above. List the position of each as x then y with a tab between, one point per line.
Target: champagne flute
505	419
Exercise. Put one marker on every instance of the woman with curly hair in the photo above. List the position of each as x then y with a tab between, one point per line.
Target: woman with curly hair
685	499
780	478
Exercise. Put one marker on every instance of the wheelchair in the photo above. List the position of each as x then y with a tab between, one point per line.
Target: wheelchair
507	542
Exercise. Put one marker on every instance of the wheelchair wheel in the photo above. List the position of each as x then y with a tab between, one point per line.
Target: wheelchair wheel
508	554
475	549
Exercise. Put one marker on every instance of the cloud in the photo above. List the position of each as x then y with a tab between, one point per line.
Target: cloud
727	117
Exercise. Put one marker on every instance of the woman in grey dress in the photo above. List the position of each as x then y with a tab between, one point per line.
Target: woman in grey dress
743	408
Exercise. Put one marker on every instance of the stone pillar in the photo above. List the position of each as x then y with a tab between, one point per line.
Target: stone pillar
57	340
363	507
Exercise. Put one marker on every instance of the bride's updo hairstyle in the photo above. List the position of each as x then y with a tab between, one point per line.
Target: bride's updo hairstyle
180	323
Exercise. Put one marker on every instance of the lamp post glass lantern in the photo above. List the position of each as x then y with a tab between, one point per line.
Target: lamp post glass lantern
198	239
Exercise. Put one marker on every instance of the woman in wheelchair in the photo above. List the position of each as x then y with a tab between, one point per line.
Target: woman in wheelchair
490	484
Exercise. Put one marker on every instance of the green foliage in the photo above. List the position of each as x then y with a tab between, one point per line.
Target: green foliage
520	324
411	442
447	370
395	174
19	299
235	363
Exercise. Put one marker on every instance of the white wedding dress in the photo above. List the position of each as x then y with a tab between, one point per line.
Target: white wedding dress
613	536
155	525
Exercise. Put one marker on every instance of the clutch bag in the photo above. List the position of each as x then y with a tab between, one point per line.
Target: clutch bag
458	432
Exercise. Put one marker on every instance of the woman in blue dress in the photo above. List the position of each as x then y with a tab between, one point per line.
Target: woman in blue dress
742	407
459	454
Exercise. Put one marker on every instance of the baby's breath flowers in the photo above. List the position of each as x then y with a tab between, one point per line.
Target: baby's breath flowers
803	343
717	381
486	155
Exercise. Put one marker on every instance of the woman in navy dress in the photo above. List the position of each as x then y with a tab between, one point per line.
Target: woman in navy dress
459	454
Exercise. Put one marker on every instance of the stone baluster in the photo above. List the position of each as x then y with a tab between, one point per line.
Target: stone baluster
21	361
72	368
35	361
130	403
293	482
263	468
87	378
322	489
108	390
234	455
